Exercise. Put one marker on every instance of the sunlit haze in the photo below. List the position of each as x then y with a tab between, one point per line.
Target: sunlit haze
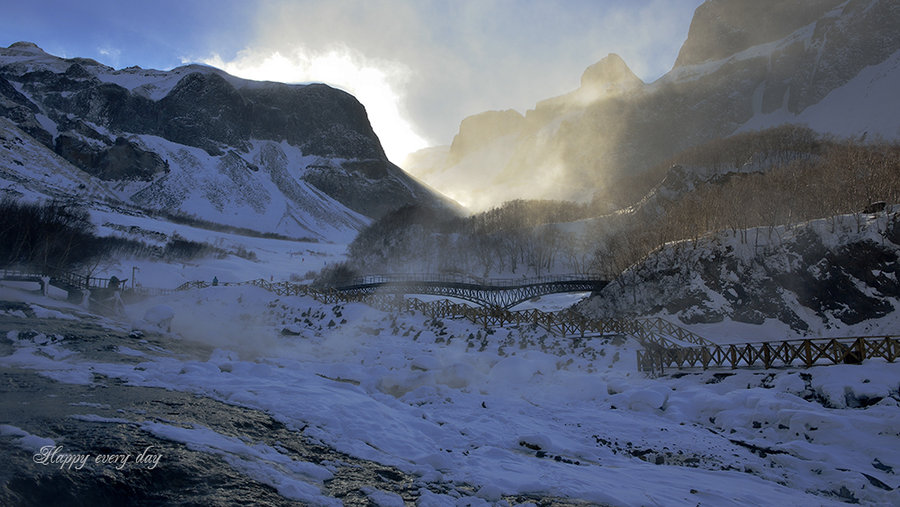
377	84
419	67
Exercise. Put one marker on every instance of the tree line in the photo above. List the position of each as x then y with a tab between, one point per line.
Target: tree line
780	176
56	235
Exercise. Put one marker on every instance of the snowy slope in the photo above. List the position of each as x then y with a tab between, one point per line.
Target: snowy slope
261	189
29	169
479	417
866	105
298	160
240	258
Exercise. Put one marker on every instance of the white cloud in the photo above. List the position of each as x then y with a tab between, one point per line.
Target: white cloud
379	84
466	56
111	55
421	67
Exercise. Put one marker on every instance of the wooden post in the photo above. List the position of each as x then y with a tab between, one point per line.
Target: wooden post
766	355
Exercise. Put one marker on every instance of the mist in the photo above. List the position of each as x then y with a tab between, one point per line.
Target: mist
421	67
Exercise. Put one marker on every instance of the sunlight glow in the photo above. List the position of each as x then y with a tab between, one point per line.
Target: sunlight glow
378	84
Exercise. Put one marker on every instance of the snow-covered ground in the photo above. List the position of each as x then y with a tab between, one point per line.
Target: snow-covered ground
509	412
274	259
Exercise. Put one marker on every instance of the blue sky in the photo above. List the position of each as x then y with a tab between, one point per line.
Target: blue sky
419	66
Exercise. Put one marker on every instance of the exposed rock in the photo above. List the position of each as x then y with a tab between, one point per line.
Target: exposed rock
836	272
721	28
122	160
608	76
479	130
84	112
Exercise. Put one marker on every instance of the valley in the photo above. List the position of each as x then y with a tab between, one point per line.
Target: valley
682	290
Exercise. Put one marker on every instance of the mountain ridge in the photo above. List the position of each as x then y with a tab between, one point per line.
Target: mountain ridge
571	148
299	160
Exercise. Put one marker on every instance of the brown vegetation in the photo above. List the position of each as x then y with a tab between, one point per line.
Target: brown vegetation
779	176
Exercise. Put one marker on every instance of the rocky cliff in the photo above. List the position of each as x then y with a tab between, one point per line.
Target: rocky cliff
814	278
744	65
271	156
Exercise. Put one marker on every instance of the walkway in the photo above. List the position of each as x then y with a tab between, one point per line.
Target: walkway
490	292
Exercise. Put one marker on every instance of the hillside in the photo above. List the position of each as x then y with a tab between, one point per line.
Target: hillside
300	160
831	65
814	278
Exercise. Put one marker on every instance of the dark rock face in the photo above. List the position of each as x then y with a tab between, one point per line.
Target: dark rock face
720	27
122	160
475	132
611	71
208	109
21	111
841	271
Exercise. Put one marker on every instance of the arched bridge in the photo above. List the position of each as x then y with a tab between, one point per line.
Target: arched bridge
496	292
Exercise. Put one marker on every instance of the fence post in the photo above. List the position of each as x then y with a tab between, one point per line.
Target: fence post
767	355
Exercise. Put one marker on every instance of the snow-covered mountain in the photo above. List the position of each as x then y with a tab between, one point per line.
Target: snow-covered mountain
831	64
300	160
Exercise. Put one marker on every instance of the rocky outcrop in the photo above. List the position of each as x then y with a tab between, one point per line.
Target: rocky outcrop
721	28
813	277
122	160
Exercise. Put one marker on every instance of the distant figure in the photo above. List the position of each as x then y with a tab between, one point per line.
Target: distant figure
215	281
113	282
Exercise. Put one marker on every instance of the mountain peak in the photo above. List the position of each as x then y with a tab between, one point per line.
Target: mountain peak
610	71
25	46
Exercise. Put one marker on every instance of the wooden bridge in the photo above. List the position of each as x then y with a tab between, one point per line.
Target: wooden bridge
490	292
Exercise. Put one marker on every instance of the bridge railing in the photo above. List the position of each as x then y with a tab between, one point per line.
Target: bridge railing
79	281
663	341
449	278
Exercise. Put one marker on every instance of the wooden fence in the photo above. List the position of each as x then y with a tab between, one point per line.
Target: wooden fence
805	352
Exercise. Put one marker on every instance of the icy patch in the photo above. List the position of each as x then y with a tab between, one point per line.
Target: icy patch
14	313
45	313
25	440
382	498
128	351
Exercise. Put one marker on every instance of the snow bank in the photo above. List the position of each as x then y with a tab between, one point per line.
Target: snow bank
513	411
